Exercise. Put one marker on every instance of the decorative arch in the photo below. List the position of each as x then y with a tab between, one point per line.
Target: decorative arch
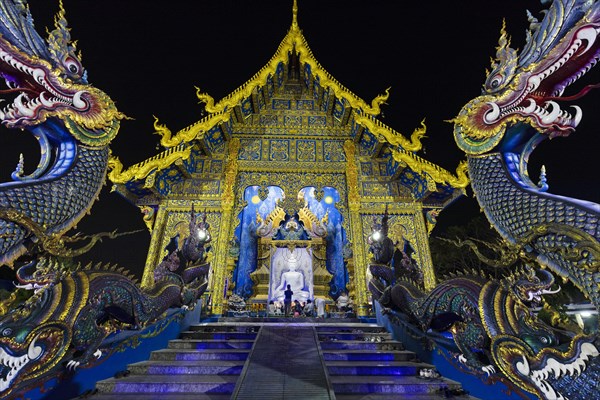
261	200
323	202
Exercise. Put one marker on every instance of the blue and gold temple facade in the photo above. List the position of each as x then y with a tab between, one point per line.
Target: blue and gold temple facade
291	138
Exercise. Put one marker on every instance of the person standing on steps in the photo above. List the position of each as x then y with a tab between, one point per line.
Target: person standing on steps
287	300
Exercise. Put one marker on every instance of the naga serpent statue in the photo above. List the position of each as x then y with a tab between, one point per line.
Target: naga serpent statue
518	109
73	310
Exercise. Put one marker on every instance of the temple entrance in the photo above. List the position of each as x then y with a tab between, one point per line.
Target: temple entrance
289	241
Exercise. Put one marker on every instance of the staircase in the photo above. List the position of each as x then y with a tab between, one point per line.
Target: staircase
204	363
291	358
363	362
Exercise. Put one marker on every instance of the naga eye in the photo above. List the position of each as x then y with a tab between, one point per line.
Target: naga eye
495	82
6	332
544	340
72	65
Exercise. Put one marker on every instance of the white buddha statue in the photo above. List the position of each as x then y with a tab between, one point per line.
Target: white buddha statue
295	279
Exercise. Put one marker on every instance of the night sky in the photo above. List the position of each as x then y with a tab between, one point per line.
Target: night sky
149	55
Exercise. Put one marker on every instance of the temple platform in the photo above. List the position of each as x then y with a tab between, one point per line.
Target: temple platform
295	320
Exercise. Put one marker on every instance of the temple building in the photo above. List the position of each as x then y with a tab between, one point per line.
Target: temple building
291	170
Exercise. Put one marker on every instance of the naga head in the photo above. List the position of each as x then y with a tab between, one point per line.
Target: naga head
39	274
47	90
525	89
529	285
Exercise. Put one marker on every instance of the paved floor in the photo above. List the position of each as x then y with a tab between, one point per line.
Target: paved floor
284	362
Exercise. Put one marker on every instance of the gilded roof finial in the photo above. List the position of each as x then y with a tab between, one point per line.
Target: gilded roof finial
295	15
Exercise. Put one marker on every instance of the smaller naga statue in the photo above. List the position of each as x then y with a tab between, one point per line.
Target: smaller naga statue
382	248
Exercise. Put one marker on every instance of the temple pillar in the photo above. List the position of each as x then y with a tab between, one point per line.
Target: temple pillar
155	250
231	262
422	238
358	243
225	230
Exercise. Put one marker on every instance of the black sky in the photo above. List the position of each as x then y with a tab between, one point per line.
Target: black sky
149	55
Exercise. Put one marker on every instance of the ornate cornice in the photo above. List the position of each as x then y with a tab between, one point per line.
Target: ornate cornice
437	173
145	168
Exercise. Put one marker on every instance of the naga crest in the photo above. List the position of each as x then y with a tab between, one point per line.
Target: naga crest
526	88
49	81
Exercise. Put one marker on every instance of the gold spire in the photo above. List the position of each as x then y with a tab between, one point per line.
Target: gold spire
295	15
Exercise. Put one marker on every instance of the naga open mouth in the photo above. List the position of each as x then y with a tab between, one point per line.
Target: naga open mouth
546	378
38	94
542	89
11	366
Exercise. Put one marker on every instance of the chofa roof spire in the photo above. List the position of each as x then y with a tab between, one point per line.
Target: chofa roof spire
295	15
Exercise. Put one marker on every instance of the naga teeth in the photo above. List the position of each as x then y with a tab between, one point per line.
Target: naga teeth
45	101
39	75
22	107
534	83
588	34
531	107
578	116
551	116
14	364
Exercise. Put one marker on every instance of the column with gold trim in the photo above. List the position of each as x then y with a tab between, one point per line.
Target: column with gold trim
154	251
358	245
227	204
429	280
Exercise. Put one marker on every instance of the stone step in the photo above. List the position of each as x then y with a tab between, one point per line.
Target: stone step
362	345
368	355
216	327
194	355
365	368
350	329
183	384
299	320
160	396
405	385
217	335
370	336
198	344
218	367
404	396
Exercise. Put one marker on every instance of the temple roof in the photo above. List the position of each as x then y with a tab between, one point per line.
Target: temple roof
291	82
